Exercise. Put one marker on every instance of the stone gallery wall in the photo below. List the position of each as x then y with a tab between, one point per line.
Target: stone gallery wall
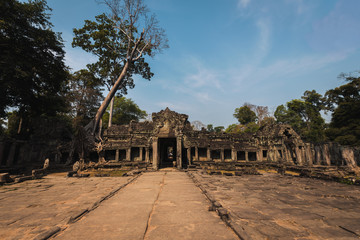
24	153
276	143
170	133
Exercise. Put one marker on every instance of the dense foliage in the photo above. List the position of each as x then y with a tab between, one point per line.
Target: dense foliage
120	44
125	110
84	96
109	44
32	71
33	76
304	116
245	115
344	101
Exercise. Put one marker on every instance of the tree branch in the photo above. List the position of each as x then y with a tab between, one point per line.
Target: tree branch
141	52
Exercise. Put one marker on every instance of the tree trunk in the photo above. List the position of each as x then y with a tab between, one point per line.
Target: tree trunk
20	125
111	111
100	129
108	98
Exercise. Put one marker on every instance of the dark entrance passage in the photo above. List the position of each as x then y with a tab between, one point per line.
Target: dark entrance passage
167	151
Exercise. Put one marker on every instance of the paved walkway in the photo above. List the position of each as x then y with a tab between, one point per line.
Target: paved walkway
271	206
31	208
158	205
168	205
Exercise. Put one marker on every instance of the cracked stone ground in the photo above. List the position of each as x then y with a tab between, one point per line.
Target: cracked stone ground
29	208
272	206
168	205
157	205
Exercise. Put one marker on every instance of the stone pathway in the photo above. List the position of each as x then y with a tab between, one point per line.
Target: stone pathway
158	205
272	206
31	208
168	205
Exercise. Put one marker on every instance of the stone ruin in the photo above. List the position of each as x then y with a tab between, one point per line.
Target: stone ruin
169	140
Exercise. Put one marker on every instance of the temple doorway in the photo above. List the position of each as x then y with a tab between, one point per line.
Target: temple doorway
167	152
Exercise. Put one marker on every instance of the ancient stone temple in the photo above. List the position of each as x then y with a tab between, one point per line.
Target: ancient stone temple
169	140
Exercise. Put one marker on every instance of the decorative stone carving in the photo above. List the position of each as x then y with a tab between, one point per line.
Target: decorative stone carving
46	164
168	121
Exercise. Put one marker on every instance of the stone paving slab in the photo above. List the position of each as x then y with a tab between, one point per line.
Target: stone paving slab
30	208
181	212
158	205
272	206
168	205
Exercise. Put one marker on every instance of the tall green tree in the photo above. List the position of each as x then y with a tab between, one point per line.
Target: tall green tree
84	96
261	112
304	116
210	128
219	129
32	71
102	39
128	17
344	101
245	115
125	110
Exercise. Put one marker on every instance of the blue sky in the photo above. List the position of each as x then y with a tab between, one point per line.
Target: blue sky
226	52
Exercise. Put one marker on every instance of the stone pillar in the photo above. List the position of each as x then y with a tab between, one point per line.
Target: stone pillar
117	155
208	153
147	155
128	154
179	152
57	157
308	154
326	154
21	151
348	156
188	151
11	155
318	155
246	156
141	153
298	156
28	158
2	148
259	156
233	155
196	154
155	154
222	155
290	155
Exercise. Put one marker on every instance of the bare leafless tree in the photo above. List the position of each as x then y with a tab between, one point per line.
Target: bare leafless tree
197	125
129	17
260	111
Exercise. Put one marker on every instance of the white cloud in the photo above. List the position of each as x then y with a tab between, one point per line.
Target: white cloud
243	3
284	68
203	96
201	76
300	6
194	80
263	44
